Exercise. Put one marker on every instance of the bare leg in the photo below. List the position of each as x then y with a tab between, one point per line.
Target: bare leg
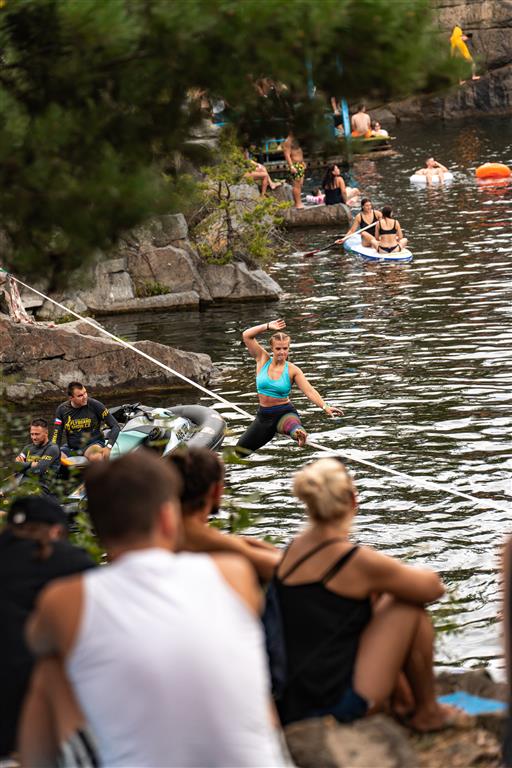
367	240
399	636
402	243
300	435
94	453
50	715
296	192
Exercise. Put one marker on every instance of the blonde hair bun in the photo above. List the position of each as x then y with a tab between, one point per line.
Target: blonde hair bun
326	489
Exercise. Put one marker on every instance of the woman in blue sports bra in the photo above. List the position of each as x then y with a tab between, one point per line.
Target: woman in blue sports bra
274	379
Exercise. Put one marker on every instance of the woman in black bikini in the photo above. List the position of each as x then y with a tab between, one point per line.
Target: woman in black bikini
388	233
367	215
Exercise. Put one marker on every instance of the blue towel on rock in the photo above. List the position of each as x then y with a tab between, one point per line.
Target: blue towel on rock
473	705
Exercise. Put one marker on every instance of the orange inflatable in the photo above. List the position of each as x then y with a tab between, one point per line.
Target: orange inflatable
493	171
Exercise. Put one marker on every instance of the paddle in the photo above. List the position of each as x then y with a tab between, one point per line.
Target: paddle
340	240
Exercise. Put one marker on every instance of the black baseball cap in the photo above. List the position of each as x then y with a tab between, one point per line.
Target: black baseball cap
36	509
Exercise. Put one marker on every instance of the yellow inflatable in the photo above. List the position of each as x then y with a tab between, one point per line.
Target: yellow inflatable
458	45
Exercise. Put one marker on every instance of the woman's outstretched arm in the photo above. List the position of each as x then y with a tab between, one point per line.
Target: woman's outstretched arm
356	223
249	337
312	394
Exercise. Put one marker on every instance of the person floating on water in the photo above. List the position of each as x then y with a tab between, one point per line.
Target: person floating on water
458	47
432	168
80	419
40	457
367	216
274	379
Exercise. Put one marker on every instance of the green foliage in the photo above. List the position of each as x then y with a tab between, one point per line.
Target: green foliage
82	535
235	226
97	111
152	288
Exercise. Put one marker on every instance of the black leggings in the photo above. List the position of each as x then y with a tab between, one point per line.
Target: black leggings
267	422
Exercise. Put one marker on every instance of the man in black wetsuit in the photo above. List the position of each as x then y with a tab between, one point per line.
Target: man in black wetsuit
79	419
40	458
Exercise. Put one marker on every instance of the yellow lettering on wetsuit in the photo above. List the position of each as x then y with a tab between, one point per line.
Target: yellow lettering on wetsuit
77	425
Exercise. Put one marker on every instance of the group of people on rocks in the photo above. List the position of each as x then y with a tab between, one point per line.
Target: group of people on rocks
158	657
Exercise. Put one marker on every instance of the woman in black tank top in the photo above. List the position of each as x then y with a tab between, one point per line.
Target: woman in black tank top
389	236
353	618
367	215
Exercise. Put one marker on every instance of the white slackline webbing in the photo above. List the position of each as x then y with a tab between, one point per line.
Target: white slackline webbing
430	485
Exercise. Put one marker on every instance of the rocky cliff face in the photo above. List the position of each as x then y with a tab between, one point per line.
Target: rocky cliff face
156	268
490	21
39	361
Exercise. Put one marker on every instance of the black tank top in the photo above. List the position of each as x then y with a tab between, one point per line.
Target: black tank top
322	631
388	231
364	223
333	196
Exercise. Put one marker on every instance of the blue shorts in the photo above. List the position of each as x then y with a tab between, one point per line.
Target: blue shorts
350	706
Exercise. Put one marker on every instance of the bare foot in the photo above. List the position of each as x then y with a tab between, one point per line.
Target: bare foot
298	207
443	717
476	77
300	435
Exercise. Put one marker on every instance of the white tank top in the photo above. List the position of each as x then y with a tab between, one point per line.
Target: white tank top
169	666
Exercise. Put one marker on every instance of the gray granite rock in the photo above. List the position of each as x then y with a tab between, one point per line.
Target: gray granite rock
39	361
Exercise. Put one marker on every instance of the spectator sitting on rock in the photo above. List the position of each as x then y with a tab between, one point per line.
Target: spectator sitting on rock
259	173
163	651
353	618
202	474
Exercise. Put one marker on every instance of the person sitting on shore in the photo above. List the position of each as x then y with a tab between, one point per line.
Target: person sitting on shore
367	216
40	458
316	198
353	618
388	233
432	168
164	652
377	130
202	475
361	122
259	173
335	189
79	419
33	552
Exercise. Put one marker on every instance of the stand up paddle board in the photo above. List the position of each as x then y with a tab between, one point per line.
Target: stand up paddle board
353	244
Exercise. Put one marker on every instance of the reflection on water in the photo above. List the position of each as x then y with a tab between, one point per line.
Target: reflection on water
419	356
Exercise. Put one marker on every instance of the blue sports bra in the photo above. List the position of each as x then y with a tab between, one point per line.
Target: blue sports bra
278	388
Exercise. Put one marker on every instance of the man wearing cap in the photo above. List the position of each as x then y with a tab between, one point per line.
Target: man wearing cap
79	420
33	552
40	457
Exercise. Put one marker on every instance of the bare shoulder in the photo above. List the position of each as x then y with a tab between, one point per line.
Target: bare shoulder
378	214
294	370
240	575
58	592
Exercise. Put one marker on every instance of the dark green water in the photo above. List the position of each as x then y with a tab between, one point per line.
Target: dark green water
418	355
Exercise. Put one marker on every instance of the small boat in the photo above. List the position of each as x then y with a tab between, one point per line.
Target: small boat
353	244
493	171
419	178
